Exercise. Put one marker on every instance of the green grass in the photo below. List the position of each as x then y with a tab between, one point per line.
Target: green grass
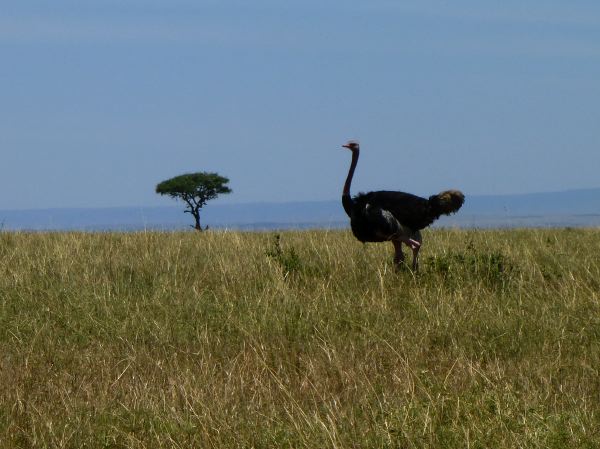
306	340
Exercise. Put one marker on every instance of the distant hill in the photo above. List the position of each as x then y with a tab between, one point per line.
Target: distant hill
571	202
568	208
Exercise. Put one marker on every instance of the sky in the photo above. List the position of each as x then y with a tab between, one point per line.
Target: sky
101	100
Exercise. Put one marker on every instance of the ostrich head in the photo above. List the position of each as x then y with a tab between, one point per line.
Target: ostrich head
352	145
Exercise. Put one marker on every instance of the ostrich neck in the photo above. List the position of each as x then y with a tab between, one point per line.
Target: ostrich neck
346	191
347	201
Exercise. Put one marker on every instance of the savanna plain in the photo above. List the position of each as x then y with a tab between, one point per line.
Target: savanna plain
303	339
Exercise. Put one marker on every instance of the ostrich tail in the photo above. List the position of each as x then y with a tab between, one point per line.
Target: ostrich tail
447	202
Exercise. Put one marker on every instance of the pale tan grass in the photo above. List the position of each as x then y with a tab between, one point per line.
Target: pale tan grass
217	340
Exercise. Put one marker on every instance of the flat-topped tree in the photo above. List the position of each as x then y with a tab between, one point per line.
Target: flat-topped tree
195	189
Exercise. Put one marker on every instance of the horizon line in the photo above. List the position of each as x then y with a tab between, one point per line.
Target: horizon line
249	203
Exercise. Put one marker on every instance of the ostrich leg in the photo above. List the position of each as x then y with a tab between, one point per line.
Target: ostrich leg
398	254
416	246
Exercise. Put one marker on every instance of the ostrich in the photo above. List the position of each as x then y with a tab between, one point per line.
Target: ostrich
398	217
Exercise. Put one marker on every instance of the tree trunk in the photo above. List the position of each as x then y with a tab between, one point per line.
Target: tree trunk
197	218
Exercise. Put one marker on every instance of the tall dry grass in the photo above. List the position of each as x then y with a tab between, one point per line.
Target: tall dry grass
312	340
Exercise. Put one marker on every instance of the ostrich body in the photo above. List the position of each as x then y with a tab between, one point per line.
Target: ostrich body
398	217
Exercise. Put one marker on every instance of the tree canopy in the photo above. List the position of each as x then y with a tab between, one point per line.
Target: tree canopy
195	189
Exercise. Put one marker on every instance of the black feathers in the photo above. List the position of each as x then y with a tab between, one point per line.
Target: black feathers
410	210
369	220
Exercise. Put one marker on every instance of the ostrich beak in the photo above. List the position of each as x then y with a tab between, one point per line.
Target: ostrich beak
346	146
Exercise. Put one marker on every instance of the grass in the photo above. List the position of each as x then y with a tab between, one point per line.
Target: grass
299	340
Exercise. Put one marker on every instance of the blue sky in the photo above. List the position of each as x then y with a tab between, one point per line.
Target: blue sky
101	100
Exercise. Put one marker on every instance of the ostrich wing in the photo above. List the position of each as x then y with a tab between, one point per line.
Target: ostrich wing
410	210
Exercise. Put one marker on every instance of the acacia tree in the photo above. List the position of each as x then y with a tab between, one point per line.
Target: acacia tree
195	189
